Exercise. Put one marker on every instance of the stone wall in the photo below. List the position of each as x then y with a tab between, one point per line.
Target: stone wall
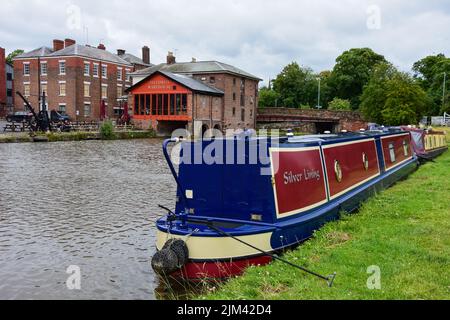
310	121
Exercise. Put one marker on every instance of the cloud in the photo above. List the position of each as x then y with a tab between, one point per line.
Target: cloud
258	36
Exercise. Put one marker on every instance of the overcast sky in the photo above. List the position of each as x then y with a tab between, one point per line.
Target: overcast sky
258	36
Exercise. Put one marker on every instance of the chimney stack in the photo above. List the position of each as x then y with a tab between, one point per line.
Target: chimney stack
120	52
101	46
171	58
58	45
69	42
146	55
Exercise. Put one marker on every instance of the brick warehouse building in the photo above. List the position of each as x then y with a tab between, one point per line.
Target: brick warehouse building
76	79
6	85
197	95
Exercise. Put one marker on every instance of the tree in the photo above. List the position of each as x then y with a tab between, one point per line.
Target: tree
296	86
429	72
393	97
268	98
340	104
352	72
12	55
326	92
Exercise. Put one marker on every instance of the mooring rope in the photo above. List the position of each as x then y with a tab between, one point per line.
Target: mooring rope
329	279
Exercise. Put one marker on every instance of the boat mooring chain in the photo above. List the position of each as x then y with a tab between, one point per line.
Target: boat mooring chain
329	279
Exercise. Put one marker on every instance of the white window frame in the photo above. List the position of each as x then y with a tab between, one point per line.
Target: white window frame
84	109
121	90
88	65
96	66
65	107
119	72
104	86
127	75
26	66
65	88
104	67
60	62
29	89
44	63
44	83
84	89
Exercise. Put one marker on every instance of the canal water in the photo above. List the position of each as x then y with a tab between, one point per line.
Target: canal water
87	204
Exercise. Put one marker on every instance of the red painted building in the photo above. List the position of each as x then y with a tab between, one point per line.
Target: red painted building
166	101
204	95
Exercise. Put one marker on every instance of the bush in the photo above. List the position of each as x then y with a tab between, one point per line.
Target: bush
107	131
340	104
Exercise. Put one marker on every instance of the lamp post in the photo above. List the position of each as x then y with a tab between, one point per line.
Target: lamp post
444	90
318	95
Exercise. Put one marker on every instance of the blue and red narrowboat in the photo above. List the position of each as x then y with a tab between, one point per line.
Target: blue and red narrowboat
428	144
243	198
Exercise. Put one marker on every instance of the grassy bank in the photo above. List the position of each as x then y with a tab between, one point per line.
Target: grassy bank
77	136
405	231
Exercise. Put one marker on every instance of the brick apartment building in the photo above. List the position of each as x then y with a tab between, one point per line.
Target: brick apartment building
6	85
197	95
77	79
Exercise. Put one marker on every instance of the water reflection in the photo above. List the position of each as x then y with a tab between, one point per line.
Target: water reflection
90	204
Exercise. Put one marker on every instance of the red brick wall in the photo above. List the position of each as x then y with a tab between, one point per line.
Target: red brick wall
3	100
230	85
2	77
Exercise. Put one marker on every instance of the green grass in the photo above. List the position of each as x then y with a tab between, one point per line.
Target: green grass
404	230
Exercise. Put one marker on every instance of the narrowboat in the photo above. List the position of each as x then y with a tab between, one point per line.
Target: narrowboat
427	144
243	198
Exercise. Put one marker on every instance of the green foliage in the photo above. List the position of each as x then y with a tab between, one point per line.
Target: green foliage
352	72
107	131
393	98
340	104
12	55
429	72
368	82
296	86
268	98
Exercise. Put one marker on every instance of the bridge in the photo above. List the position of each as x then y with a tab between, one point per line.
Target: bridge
310	120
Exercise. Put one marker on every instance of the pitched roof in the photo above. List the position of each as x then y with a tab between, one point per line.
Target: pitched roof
39	52
89	52
134	60
199	67
183	80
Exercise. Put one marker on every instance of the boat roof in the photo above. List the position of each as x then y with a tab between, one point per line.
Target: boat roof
319	138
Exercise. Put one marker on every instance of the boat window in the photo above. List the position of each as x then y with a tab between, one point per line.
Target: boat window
338	171
365	161
392	152
406	148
